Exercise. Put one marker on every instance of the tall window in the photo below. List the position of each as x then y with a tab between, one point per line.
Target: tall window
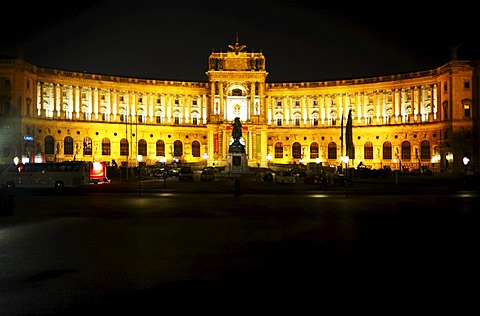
387	150
106	147
406	150
124	147
278	150
177	149
68	146
196	148
425	150
87	146
368	150
159	119
296	150
466	110
314	151
160	148
332	150
49	145
142	147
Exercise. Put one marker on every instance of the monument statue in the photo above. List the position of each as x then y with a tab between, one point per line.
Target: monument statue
237	142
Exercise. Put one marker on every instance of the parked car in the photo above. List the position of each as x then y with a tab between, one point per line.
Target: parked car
173	172
185	174
207	175
160	173
267	177
287	177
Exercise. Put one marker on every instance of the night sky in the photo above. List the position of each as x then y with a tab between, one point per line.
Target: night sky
302	40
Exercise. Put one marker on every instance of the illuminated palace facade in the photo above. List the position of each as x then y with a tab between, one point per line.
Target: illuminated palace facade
426	118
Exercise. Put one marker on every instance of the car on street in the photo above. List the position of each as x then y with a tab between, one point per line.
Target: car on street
286	177
160	173
207	175
185	174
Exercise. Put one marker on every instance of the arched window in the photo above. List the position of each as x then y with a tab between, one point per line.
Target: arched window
49	145
332	150
142	147
87	146
196	148
278	150
106	147
68	145
124	147
296	150
314	151
425	150
387	150
177	149
406	150
160	148
368	150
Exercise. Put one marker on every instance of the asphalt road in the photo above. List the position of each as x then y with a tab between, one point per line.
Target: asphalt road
183	247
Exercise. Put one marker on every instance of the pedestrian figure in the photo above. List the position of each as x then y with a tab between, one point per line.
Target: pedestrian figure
7	200
237	188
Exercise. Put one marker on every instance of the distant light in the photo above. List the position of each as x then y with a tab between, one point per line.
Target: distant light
139	158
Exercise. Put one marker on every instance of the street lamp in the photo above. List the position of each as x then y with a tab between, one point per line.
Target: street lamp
139	160
435	159
317	161
269	157
465	163
205	157
163	160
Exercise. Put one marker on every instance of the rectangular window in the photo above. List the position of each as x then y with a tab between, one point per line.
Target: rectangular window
159	119
279	122
194	120
105	148
466	85
466	110
177	120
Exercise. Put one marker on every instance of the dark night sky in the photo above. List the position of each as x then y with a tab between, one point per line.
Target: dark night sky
303	40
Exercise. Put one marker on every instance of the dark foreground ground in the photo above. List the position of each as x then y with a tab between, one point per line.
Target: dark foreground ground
165	248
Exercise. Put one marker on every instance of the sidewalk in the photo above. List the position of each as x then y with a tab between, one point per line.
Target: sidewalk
254	185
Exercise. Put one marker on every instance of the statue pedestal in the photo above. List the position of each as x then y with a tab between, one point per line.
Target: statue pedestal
236	163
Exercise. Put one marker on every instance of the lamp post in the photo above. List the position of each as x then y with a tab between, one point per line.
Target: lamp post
435	159
269	157
465	163
139	160
317	161
345	159
163	160
205	157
